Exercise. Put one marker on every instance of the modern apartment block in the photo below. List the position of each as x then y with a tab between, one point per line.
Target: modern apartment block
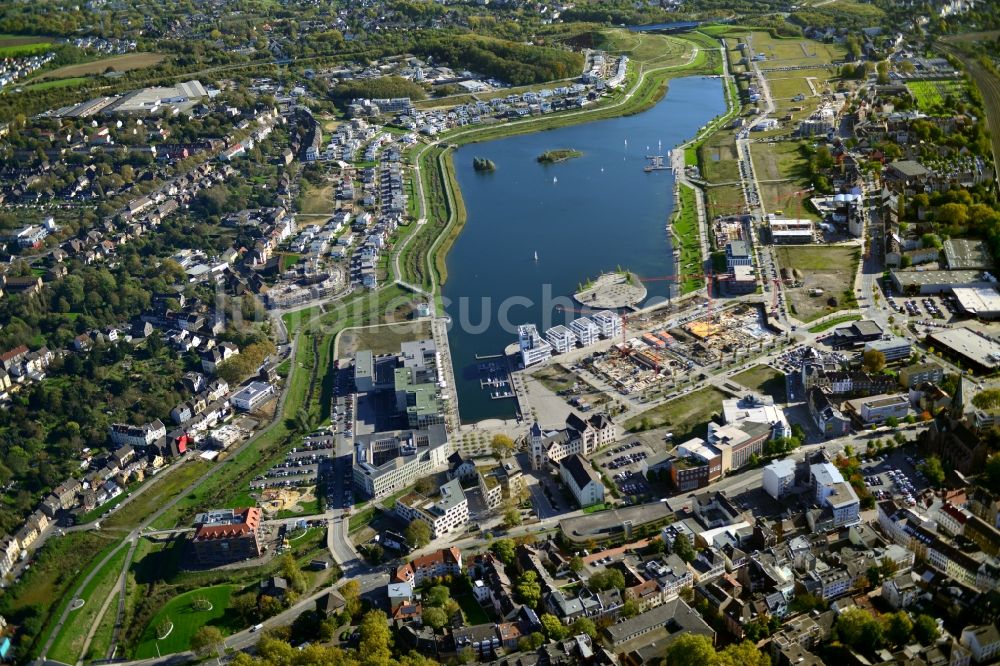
445	512
533	348
586	331
561	338
609	323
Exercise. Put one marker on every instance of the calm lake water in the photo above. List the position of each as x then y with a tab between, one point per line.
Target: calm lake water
583	217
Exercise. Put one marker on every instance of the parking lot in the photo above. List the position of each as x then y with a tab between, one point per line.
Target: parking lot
934	307
622	465
895	476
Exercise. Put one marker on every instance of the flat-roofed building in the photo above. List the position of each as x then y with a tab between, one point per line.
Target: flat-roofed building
586	331
976	350
364	371
790	232
968	254
534	349
387	462
856	333
608	322
936	282
779	477
445	512
894	349
915	375
981	302
878	408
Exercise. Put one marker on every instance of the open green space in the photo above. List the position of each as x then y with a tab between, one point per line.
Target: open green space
313	200
10	48
382	339
473	612
69	643
764	379
830	269
186	620
57	83
556	378
686	417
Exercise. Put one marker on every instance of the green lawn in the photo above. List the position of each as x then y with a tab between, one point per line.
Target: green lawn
186	620
473	612
765	379
57	83
686	417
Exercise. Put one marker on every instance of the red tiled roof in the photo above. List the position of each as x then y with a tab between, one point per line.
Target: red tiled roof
251	521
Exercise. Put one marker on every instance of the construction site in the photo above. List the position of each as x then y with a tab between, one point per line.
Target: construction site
668	351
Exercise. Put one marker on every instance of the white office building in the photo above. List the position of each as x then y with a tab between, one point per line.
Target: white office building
561	338
894	349
444	513
779	477
252	396
534	349
586	331
609	323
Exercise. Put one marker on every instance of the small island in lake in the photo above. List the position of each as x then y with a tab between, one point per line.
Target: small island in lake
483	164
560	155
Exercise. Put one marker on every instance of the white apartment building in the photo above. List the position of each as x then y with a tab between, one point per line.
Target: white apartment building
832	491
561	338
533	348
445	513
609	323
138	437
586	331
779	477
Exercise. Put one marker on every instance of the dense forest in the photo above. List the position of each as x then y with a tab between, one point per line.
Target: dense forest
517	64
383	87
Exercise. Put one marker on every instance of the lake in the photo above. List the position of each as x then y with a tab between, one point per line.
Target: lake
583	217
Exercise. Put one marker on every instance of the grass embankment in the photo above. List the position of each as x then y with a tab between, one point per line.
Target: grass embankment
37	600
687	416
69	643
687	239
836	321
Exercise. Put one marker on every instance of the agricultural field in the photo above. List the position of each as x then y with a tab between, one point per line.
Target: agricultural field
931	94
18	46
171	629
121	63
830	268
56	83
